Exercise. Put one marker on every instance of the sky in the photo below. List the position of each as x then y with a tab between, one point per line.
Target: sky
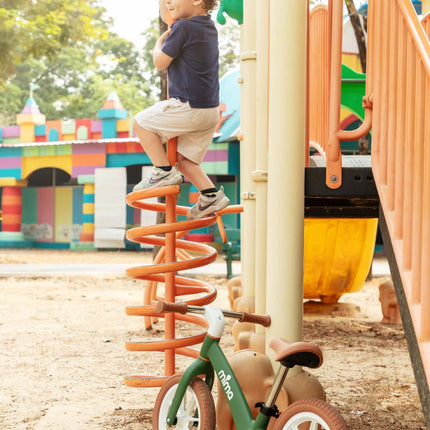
131	17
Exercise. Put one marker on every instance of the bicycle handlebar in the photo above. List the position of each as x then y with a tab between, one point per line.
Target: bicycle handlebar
179	307
183	308
263	320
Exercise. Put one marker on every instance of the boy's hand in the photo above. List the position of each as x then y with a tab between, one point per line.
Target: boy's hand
163	37
161	60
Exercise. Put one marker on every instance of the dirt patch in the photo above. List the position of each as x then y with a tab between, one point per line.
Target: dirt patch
63	357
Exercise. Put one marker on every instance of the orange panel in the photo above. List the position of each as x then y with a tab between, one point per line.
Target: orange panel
89	160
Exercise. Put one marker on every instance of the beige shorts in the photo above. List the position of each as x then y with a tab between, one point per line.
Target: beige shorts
193	127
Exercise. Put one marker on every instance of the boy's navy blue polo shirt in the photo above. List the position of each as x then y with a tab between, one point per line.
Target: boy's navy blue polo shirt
193	73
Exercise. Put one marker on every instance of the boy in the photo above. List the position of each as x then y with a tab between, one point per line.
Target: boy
189	52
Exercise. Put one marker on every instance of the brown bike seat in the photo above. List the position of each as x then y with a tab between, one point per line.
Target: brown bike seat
291	354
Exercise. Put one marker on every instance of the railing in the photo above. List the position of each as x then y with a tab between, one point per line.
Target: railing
325	70
399	78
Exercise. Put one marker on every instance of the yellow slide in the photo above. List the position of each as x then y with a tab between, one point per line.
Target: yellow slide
338	256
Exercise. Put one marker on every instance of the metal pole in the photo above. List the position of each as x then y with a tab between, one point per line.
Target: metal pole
248	58
285	199
259	176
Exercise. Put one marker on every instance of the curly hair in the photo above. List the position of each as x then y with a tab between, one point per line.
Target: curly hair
210	4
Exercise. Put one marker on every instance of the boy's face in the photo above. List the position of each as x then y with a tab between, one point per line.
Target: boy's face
180	9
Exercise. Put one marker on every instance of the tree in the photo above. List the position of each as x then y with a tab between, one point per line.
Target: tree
76	82
359	32
42	28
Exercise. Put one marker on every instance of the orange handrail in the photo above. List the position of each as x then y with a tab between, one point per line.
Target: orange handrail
399	78
325	66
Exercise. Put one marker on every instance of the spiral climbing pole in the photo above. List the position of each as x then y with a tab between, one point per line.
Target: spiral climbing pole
174	256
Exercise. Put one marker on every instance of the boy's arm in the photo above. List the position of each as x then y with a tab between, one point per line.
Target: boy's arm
164	13
160	59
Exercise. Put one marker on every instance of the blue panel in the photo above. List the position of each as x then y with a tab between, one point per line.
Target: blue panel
78	199
122	160
88	218
113	113
88	198
229	94
40	130
10	173
53	135
109	129
10	152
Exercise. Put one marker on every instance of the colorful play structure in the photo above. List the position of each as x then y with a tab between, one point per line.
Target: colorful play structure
318	237
52	175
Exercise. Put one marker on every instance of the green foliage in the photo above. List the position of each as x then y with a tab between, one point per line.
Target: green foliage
76	61
41	28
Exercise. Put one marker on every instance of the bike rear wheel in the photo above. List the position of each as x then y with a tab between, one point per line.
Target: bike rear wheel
197	409
310	414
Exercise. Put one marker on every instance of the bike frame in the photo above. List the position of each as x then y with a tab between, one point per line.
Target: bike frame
213	359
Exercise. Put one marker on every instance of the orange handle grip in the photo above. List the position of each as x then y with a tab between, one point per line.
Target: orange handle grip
263	320
161	307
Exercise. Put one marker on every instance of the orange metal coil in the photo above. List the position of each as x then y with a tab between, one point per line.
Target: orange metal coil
173	257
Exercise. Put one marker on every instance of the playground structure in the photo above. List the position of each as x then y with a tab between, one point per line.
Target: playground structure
49	193
400	160
397	114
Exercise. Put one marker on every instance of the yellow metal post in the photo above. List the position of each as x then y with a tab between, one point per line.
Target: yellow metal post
259	176
247	153
286	135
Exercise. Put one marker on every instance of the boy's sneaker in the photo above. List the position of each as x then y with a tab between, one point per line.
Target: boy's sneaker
208	205
159	178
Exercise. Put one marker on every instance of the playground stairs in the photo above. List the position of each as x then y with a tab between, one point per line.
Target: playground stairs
398	81
396	189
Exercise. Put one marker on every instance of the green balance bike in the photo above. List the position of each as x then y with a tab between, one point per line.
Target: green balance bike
185	400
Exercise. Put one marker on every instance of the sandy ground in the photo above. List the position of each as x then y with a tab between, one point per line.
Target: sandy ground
63	358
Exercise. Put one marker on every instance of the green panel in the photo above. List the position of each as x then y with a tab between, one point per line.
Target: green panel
353	90
222	145
183	199
234	158
30	151
68	127
82	133
86	179
47	150
29	206
64	150
11	140
215	167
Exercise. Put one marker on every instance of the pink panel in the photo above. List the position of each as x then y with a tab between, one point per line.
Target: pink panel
45	214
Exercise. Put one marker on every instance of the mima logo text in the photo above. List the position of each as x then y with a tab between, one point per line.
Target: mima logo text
224	379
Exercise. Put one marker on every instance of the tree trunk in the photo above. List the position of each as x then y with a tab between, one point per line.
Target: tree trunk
358	31
161	216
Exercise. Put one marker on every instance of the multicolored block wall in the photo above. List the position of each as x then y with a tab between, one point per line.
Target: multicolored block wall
77	147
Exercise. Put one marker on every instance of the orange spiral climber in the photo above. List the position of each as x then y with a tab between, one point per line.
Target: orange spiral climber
172	257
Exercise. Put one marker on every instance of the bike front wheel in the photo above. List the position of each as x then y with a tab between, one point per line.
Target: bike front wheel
310	414
197	409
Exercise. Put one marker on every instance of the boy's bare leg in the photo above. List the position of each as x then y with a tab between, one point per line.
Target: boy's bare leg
194	173
152	145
